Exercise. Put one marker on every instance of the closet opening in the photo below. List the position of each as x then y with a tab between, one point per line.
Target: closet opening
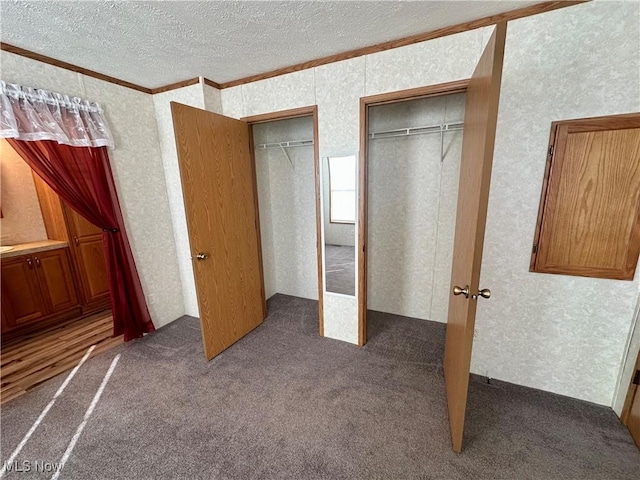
56	306
285	155
411	147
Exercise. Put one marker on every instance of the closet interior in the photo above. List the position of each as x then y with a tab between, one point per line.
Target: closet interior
285	177
414	153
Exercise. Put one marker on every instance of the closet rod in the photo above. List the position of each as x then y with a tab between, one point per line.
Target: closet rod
403	132
290	144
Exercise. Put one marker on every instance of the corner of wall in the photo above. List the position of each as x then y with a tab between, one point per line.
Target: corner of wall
193	95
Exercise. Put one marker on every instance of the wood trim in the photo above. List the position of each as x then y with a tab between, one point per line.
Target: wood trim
286	115
174	86
380	47
403	42
281	115
363	192
458	86
543	199
254	176
69	66
23	52
211	83
631	392
185	83
316	154
448	88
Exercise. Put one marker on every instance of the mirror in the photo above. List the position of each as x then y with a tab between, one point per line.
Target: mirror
339	213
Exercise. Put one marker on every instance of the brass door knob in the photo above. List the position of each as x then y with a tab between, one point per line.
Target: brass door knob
484	293
202	256
461	291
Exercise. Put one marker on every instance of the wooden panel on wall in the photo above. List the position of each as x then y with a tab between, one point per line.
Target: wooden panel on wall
589	219
51	208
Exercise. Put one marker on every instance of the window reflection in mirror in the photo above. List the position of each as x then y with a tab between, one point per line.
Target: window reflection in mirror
340	201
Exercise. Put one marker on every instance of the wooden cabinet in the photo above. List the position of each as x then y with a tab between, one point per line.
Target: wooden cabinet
55	279
36	287
88	256
22	299
85	246
589	217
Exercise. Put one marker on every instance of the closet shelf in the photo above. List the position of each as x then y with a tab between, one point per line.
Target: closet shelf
290	144
404	132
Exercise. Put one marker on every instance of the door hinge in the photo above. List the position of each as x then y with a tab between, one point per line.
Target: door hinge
551	150
636	378
535	248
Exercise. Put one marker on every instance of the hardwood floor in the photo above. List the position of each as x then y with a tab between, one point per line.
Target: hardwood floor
38	356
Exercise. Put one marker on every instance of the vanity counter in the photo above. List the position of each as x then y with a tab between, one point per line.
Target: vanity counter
33	247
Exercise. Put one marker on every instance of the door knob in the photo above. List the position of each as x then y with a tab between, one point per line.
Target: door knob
464	291
202	256
484	293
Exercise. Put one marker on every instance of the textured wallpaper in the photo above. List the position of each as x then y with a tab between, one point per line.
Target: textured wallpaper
286	196
137	170
412	208
192	95
22	219
263	181
559	333
555	332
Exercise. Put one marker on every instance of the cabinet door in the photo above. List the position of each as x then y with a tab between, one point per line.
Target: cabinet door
88	252
22	300
56	282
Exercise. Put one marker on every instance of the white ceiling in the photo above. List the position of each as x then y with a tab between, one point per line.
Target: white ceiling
155	43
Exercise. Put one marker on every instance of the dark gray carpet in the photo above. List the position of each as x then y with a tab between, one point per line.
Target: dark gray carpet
340	269
284	403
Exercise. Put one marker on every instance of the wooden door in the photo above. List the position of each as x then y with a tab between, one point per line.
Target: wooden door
218	183
481	113
22	301
91	266
631	410
633	421
56	282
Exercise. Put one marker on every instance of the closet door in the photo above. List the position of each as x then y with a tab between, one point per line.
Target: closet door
218	183
481	112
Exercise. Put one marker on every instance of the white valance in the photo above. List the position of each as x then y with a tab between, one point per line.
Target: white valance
32	114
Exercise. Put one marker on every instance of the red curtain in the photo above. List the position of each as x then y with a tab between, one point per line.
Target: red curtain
82	177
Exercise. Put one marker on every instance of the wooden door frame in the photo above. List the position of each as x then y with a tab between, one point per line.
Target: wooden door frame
631	393
449	88
310	111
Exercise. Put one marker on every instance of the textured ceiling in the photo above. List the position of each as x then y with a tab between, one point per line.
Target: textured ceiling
155	43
